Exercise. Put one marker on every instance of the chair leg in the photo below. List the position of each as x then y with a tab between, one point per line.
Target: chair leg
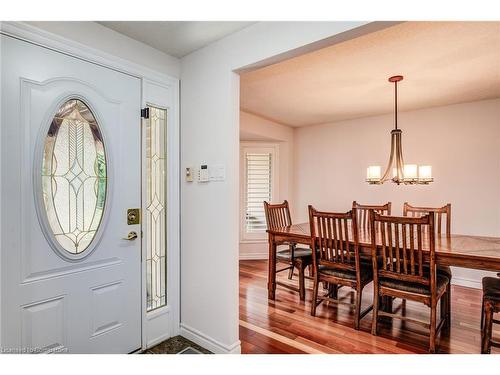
302	286
442	306
376	301
445	306
482	325
311	270
357	312
333	291
403	313
314	296
482	317
290	272
432	333
448	305
388	304
487	328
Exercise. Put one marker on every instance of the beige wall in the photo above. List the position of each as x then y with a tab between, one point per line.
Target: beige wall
256	129
461	142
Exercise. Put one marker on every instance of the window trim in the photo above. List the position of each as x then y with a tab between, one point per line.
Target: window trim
163	322
257	147
146	240
37	179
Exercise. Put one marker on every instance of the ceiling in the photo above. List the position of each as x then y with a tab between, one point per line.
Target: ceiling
442	63
176	38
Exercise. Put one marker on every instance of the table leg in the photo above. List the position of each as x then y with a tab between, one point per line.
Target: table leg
271	281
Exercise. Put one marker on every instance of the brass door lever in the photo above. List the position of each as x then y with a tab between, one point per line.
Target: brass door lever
131	236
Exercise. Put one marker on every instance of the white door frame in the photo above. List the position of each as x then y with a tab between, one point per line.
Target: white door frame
155	332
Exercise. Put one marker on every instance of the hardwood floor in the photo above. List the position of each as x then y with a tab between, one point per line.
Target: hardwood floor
286	326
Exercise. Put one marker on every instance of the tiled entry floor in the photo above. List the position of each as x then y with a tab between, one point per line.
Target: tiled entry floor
174	345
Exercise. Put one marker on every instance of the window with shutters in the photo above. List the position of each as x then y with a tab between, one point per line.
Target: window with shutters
259	177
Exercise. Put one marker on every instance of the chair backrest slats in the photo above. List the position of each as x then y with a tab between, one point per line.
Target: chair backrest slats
412	249
401	241
277	215
385	256
438	212
363	210
404	249
331	236
419	248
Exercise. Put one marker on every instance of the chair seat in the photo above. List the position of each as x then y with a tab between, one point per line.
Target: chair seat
444	270
366	273
300	252
491	288
406	286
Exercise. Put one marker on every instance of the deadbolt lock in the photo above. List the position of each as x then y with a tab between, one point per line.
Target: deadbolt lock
133	216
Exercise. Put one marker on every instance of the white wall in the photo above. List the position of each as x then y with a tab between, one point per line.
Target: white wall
210	133
109	41
258	129
461	142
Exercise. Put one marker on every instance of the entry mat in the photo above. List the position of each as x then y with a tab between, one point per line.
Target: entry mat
189	350
177	345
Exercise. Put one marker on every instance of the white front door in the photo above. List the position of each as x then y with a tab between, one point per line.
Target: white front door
70	169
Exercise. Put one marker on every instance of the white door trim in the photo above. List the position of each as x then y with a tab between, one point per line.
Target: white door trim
69	47
154	331
61	44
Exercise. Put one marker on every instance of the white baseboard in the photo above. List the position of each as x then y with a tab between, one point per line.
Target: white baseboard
253	256
209	343
470	283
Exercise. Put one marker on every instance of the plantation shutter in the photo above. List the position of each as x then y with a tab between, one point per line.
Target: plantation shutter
258	190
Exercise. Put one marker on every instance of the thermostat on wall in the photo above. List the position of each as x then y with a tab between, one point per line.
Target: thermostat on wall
203	173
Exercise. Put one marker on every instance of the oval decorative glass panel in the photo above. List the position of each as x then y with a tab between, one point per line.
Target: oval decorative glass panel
74	177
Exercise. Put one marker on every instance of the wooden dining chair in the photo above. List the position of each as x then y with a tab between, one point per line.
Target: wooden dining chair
406	273
439	213
491	305
363	211
362	219
336	260
442	217
278	215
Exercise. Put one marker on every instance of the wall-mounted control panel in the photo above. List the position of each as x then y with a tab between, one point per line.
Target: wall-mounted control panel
203	173
217	172
206	173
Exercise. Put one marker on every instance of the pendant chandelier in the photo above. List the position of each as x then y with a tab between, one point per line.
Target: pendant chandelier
397	170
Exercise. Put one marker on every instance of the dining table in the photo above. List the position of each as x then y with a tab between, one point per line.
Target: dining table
457	250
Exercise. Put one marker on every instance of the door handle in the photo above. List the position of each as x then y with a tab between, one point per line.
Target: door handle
131	236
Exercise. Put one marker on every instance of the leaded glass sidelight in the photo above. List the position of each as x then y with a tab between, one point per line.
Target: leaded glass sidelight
74	179
156	212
